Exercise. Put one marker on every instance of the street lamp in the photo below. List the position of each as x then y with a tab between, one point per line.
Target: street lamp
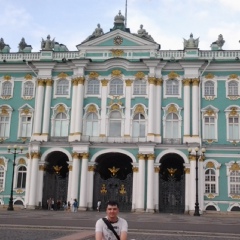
197	155
14	152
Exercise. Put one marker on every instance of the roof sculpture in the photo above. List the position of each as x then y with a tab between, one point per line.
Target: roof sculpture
191	42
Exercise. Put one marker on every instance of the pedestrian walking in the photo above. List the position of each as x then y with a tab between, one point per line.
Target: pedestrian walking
75	205
111	227
99	205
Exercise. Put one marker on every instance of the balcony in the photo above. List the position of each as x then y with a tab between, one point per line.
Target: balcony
113	139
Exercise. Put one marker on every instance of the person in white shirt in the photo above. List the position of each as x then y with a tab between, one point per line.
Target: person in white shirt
120	225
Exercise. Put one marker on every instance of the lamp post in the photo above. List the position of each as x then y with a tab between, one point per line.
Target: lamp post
197	155
14	152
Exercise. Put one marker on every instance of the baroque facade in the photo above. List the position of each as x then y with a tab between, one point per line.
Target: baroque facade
121	119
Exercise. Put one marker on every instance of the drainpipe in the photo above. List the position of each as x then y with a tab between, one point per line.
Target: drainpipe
30	67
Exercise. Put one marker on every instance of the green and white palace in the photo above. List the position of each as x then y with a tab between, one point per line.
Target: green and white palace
120	119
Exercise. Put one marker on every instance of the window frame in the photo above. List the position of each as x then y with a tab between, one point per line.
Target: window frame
67	93
22	177
94	87
116	89
166	94
10	89
139	87
28	96
233	167
6	111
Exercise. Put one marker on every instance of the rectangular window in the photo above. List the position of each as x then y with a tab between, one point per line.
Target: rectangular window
233	128
209	128
26	128
4	126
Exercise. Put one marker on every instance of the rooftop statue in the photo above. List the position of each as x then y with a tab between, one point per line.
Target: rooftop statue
220	42
2	44
22	45
97	33
119	18
191	42
47	44
144	34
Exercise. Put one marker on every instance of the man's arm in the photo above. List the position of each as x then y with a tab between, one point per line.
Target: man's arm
123	236
98	236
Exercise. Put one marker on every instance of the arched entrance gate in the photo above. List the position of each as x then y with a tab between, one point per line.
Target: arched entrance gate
171	184
55	183
113	180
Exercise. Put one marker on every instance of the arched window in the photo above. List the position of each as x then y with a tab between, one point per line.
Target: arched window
138	125
62	87
61	125
2	176
115	122
116	87
172	125
28	88
210	181
139	87
209	88
92	125
172	87
93	87
235	182
4	126
21	177
233	88
7	89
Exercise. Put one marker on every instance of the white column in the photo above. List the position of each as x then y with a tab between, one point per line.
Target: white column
195	105
151	108
141	183
186	112
156	188
34	183
79	108
150	183
187	188
75	176
192	180
90	187
201	185
47	107
128	108
83	183
28	180
39	108
40	184
69	183
103	108
158	109
74	106
134	188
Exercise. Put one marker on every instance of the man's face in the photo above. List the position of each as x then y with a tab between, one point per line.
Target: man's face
112	211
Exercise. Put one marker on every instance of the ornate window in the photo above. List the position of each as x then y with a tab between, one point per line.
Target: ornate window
172	126
139	87
2	178
93	87
209	127
209	88
116	87
28	89
25	123
172	87
210	181
5	119
139	125
233	88
233	173
21	177
6	89
62	87
115	123
92	125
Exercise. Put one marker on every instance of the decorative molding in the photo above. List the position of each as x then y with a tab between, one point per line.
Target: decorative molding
4	111
150	156
234	167
186	81
92	108
140	75
172	75
116	73
210	165
195	81
93	75
233	76
172	109
135	169
7	77
117	52
141	156
233	111
152	80
159	81
91	168
128	82
28	76
22	161
61	108
156	169
104	82
62	75
2	162
209	76
139	109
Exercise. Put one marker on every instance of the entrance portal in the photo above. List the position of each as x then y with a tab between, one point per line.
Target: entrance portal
172	184
55	179
113	180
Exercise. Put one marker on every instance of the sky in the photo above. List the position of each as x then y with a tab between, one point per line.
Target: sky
168	21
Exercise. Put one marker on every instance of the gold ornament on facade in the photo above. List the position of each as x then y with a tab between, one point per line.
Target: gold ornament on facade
233	76
135	169
233	111
28	76
25	111
4	111
209	76
57	169
91	168
103	189
113	170
41	82
74	82
156	169
49	82
209	112
139	75
150	156
93	75
210	165
115	107
210	196
22	161
104	82
235	196
70	168
139	109
172	109
75	155
128	83
92	108
186	81
2	163
61	108
19	191
159	81
117	52
81	80
36	155
172	75
192	158
7	77
41	167
235	167
195	81
141	156
152	80
116	73
187	170
172	171
62	75
85	155
122	190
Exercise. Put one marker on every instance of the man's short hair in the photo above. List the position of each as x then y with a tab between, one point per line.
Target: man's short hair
112	203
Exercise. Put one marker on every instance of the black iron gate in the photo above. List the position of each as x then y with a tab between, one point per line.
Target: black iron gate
115	189
172	194
55	186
